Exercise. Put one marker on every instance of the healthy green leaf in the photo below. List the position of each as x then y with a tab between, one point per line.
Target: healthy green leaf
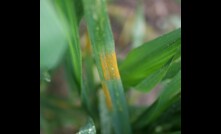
73	36
175	67
52	36
148	58
76	7
169	120
170	69
153	79
169	94
70	11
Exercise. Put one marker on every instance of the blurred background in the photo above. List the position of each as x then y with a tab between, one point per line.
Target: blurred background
133	22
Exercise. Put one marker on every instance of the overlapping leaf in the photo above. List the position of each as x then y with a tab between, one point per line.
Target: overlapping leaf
102	42
169	94
148	58
53	41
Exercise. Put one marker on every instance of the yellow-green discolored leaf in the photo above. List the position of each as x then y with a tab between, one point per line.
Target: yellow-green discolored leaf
103	48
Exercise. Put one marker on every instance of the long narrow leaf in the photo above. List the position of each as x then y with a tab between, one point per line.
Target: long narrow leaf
148	58
169	120
148	83
105	119
173	66
52	36
170	93
70	10
104	52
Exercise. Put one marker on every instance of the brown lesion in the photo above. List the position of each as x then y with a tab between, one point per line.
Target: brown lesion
109	66
107	95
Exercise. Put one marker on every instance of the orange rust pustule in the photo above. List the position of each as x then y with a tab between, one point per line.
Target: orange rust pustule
109	66
107	96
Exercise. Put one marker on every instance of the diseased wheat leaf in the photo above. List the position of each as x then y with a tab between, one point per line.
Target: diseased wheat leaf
105	119
104	53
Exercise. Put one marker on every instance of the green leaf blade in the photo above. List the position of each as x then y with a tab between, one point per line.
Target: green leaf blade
104	53
150	57
52	36
169	94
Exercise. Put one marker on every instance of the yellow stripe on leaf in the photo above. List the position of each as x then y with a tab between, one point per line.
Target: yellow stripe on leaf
109	66
107	96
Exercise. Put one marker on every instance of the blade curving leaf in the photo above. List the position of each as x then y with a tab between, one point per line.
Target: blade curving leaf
104	52
175	67
148	58
169	94
71	11
88	79
168	120
68	13
153	79
170	69
76	6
